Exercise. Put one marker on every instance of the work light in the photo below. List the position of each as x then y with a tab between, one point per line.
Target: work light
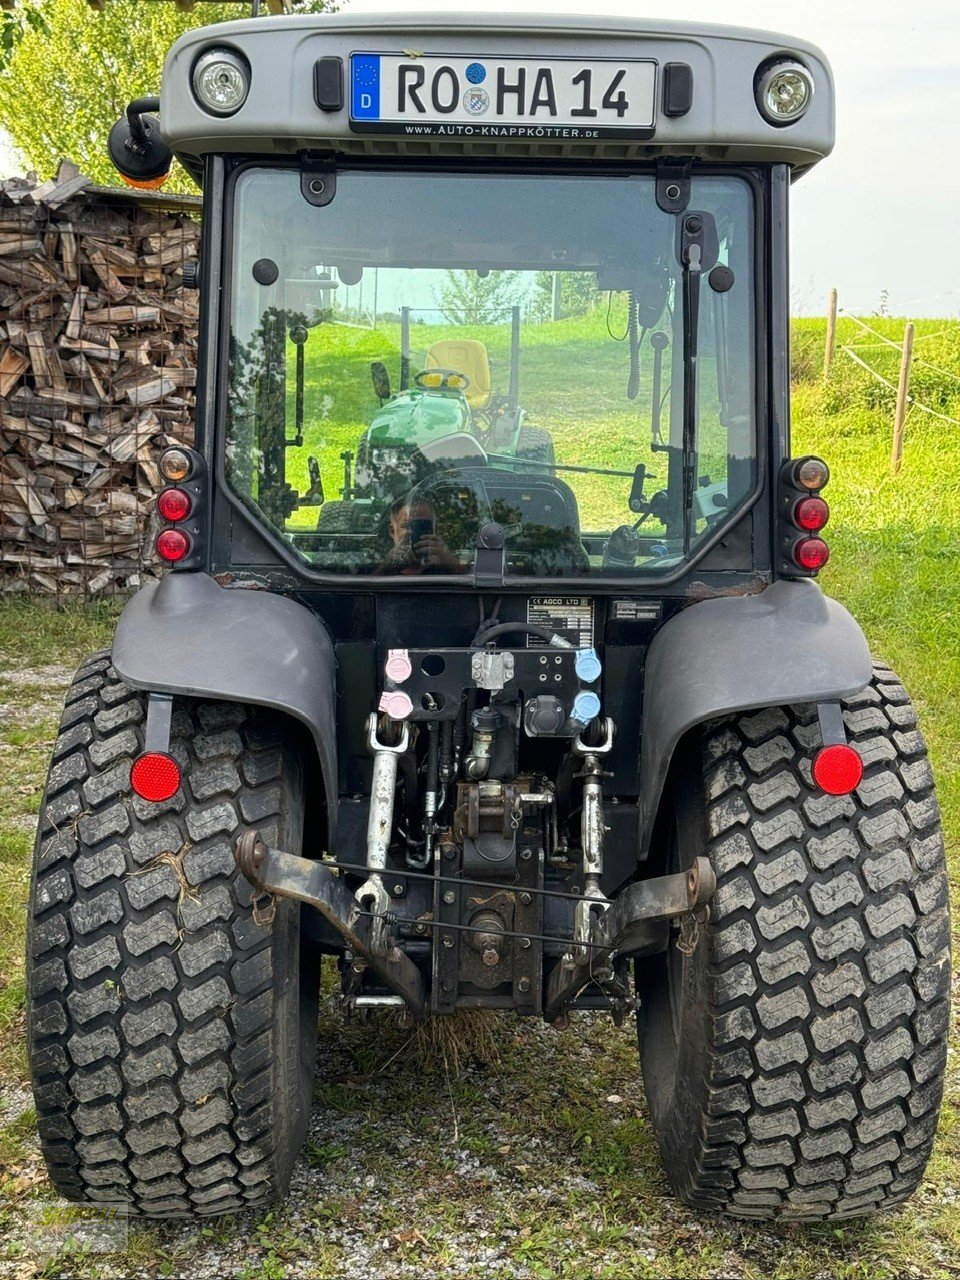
784	91
221	81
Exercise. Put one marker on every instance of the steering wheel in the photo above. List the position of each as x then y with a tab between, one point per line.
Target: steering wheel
444	376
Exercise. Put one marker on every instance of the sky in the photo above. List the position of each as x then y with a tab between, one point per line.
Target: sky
881	215
879	219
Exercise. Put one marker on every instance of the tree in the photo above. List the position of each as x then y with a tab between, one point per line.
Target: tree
67	72
577	293
467	297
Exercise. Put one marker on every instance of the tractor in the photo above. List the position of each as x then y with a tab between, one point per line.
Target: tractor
451	395
576	734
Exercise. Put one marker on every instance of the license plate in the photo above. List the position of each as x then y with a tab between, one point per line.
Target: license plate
559	98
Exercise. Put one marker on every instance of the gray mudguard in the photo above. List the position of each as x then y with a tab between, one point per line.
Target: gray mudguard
185	634
790	644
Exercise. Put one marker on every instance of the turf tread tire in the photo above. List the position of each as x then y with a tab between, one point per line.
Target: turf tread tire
535	444
170	1035
343	517
815	1011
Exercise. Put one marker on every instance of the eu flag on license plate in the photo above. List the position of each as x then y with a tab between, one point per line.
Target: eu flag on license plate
365	90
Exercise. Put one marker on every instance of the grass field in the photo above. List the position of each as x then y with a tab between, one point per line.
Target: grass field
534	1157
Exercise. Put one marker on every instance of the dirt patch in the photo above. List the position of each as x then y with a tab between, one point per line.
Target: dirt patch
31	695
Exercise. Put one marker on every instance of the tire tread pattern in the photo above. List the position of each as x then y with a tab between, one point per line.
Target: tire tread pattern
152	1016
829	966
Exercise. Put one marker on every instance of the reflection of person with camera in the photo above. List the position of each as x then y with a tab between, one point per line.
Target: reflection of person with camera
417	546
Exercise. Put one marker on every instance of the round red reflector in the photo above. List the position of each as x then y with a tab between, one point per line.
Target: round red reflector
809	513
837	770
174	504
811	553
155	776
172	545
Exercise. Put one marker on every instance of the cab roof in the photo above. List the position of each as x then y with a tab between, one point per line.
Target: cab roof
286	112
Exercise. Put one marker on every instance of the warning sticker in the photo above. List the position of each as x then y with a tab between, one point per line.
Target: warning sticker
569	616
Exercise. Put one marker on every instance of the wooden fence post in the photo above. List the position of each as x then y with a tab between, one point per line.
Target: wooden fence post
903	389
831	345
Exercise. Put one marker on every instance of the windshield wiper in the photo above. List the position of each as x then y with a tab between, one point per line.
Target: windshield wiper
697	250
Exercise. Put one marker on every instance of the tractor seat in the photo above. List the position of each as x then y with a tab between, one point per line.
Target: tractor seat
468	356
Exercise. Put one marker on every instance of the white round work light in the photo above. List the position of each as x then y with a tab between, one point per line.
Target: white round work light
221	81
784	91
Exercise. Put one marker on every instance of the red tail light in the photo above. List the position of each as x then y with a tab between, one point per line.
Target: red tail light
838	769
172	545
155	776
811	554
182	502
801	514
809	513
174	505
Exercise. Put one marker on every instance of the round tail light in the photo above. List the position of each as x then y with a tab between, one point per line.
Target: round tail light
838	769
175	504
810	514
175	465
155	776
810	473
172	545
811	554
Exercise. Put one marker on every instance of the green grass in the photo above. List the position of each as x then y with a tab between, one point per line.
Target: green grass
542	1150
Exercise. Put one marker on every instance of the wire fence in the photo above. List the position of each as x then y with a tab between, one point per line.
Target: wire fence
98	342
905	401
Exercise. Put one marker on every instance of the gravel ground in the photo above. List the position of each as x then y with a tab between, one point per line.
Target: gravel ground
537	1163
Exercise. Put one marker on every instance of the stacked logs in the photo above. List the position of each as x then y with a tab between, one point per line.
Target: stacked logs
98	347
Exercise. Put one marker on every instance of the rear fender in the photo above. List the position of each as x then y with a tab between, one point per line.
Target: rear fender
187	635
789	644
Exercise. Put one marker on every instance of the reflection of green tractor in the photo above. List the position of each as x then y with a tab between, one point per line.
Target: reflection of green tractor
451	396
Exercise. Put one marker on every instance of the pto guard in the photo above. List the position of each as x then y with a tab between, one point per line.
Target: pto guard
790	644
187	635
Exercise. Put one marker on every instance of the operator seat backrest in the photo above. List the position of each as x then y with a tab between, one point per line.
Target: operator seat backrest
547	542
465	355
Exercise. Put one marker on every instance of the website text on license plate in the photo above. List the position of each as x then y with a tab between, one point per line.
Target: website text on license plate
501	97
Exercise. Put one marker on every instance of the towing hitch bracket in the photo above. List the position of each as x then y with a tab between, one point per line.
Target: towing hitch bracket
637	922
288	876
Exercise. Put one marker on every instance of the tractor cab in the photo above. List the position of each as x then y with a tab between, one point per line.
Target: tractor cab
538	286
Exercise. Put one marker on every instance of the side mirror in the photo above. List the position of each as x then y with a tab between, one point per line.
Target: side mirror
380	379
139	153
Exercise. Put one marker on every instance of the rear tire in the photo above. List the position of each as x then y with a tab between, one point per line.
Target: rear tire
171	1022
343	517
535	444
794	1062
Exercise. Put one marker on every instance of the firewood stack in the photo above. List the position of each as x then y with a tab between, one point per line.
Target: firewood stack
98	347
